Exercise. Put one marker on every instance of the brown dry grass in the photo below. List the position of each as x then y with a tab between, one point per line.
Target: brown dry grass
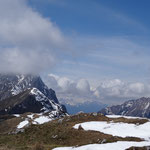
9	125
60	133
133	121
139	148
38	146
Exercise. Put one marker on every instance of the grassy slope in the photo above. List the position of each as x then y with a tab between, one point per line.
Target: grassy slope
59	133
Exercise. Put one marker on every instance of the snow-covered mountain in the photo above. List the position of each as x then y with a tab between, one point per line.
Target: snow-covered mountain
11	85
27	93
138	108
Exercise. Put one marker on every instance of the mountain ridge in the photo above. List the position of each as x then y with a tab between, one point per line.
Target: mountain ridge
11	84
138	108
27	93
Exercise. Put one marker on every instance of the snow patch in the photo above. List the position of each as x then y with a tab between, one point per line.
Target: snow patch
16	115
115	129
42	119
128	117
114	146
23	124
30	116
118	129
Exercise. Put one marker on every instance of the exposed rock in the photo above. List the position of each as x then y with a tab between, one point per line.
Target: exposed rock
137	108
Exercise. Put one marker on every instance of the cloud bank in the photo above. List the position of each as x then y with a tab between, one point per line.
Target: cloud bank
117	91
70	91
29	43
109	91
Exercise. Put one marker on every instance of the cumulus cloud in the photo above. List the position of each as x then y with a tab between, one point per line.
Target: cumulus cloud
109	91
28	42
117	91
70	91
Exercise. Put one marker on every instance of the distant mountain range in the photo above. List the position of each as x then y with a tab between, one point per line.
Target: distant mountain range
137	108
87	107
27	93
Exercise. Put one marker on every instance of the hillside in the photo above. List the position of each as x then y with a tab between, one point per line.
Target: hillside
137	108
21	94
31	100
13	84
61	132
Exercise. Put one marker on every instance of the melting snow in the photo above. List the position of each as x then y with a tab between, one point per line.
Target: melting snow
42	119
22	124
118	129
36	119
114	146
16	115
30	116
128	117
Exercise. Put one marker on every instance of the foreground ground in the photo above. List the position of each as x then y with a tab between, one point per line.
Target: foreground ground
60	133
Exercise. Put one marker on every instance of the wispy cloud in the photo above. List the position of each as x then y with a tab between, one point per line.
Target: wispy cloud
121	51
107	57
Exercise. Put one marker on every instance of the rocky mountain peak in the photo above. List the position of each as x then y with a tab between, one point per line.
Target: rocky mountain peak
27	93
11	84
138	108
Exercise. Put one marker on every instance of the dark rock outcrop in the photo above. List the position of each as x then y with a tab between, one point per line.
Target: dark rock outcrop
27	93
11	85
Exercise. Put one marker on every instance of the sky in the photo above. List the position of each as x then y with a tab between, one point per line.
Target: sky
86	50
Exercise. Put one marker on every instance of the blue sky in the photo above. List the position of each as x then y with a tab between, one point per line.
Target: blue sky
108	47
114	30
85	50
97	17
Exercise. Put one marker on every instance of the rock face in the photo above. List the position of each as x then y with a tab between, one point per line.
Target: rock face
27	93
11	85
137	108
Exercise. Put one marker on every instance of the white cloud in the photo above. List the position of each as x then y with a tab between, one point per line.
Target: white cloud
71	91
28	42
116	91
83	86
108	92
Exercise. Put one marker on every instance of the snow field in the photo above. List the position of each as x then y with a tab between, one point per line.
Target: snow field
116	129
